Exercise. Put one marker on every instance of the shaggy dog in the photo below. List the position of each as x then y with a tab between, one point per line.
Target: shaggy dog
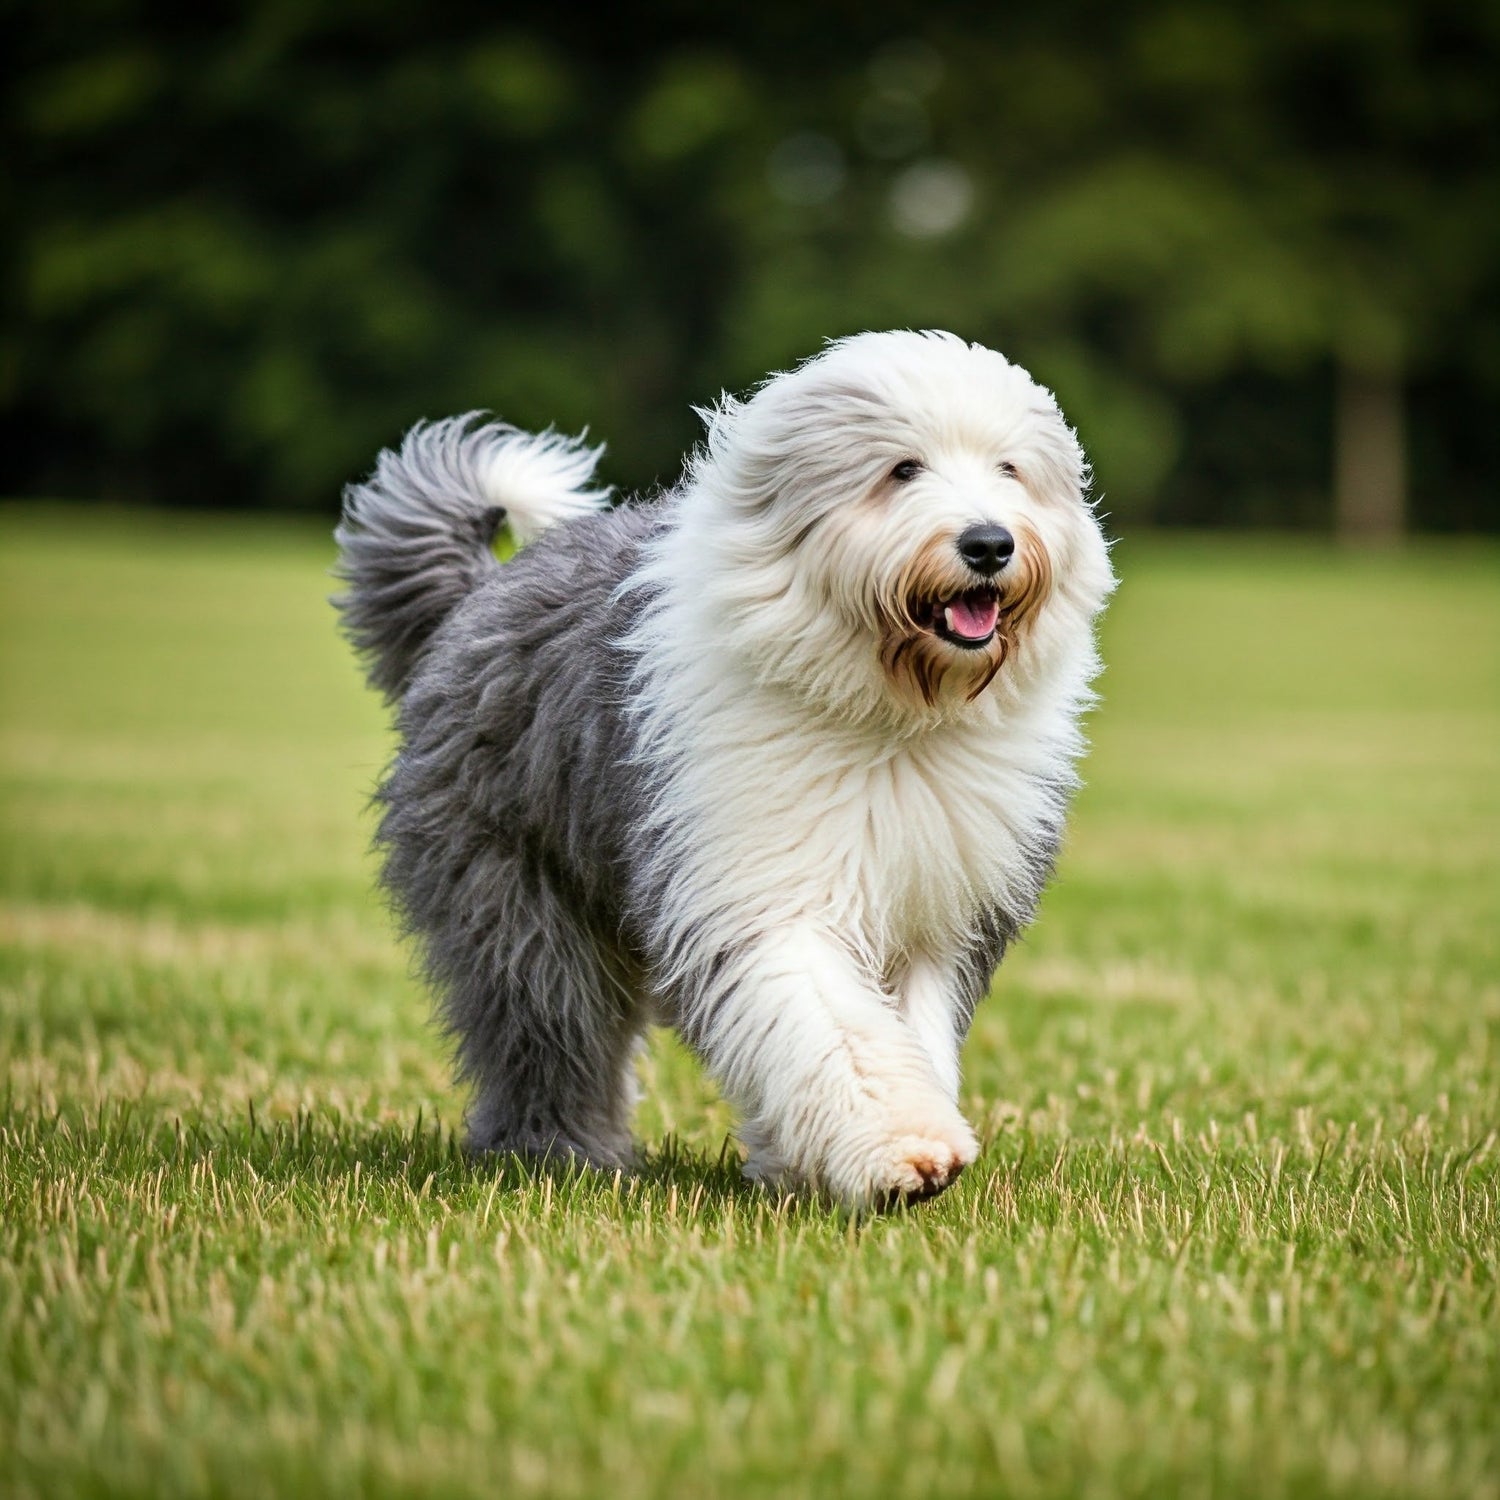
779	759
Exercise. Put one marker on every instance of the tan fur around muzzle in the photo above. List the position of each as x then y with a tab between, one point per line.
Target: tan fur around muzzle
916	660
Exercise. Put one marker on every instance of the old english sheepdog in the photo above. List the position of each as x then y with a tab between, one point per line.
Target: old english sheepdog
779	759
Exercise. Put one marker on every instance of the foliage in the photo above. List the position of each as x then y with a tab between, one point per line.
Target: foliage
245	255
1235	1229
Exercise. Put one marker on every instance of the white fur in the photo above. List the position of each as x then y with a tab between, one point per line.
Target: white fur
538	478
826	845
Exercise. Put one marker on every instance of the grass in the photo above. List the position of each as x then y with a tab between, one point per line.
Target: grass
1236	1229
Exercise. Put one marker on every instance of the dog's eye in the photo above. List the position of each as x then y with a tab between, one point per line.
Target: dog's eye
906	470
1010	471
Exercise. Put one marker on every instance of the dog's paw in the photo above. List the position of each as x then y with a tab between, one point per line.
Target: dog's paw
865	1159
912	1168
903	1167
923	1169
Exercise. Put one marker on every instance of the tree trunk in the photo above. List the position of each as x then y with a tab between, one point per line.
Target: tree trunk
1369	455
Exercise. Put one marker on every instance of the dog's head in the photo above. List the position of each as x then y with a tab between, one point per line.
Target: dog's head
904	515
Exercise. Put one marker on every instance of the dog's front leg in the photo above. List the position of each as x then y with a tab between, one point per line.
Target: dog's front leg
836	1090
926	1000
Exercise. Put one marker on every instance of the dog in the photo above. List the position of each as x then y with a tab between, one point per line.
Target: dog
779	758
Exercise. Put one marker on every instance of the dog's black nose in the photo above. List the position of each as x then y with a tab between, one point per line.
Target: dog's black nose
986	549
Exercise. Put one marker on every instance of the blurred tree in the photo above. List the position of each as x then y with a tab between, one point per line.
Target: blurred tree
245	254
1200	194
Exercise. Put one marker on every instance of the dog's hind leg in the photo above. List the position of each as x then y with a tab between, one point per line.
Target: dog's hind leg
547	1018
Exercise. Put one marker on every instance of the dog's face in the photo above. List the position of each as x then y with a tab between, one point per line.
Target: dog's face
910	514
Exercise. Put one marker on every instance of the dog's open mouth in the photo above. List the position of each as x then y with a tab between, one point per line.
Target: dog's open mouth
966	620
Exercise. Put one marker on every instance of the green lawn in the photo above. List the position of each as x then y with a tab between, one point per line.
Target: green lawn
1236	1228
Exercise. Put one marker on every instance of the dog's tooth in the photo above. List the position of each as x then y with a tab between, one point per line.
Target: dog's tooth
948	617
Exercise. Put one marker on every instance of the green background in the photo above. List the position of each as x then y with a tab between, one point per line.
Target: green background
247	247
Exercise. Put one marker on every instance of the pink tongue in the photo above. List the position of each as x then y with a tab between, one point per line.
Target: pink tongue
971	619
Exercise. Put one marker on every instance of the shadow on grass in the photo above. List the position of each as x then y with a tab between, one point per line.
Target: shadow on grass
129	1160
335	1155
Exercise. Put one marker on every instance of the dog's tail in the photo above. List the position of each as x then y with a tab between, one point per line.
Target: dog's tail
415	537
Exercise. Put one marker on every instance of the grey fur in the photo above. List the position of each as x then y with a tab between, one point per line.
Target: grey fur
414	541
505	825
513	819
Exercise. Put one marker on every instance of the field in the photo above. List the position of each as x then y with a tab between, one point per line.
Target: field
1235	1231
